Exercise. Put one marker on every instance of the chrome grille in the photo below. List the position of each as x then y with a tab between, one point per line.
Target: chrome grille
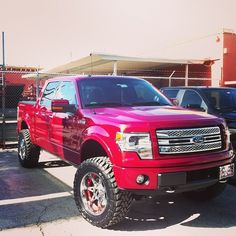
176	141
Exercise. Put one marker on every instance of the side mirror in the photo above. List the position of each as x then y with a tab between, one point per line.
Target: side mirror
62	105
195	107
174	101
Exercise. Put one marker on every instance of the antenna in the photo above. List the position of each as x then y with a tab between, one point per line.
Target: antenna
91	63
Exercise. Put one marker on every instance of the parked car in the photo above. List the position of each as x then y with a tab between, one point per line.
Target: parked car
217	101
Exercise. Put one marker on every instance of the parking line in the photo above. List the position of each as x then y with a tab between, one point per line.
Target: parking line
35	198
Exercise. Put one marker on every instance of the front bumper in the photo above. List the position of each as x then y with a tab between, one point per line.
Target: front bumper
178	179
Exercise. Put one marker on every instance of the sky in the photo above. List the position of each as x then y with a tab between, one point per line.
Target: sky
48	33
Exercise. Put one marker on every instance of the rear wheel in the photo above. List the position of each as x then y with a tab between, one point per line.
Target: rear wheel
206	193
96	193
28	153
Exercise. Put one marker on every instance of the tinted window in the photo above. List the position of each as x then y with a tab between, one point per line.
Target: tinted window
170	93
67	91
107	92
192	98
49	94
221	99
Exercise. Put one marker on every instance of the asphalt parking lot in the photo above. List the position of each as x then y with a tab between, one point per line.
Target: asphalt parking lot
40	202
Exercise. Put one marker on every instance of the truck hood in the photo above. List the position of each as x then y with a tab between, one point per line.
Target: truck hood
164	116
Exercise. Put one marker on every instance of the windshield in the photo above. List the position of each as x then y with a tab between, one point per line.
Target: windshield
222	99
114	92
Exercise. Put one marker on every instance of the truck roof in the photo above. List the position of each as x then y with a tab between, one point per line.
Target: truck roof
197	87
79	77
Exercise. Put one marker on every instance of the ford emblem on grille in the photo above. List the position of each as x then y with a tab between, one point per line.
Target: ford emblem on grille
198	139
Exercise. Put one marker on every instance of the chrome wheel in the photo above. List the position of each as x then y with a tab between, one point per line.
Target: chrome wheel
96	194
22	149
93	194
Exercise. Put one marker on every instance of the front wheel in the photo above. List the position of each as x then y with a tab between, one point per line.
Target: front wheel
96	193
207	193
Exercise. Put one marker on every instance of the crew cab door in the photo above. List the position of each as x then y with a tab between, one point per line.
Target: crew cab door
43	116
64	125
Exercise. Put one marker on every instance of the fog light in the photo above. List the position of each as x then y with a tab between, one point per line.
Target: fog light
140	179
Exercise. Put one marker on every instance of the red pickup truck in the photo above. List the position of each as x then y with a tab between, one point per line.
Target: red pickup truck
127	140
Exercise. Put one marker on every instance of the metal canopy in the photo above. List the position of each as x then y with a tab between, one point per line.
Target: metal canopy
105	64
108	64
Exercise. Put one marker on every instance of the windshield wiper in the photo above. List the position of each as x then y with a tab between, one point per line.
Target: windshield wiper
106	104
117	104
151	103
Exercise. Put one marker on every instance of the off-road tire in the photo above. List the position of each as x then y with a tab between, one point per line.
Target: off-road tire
206	194
28	153
117	201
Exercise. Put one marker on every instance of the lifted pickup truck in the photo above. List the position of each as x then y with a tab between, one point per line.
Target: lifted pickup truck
127	141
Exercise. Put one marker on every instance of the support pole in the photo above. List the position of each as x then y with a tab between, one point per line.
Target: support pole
91	62
115	68
3	93
37	84
186	75
171	77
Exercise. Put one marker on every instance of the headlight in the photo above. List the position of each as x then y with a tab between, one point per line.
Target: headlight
227	133
135	142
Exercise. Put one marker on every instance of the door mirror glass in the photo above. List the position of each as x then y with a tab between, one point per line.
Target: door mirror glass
62	105
174	101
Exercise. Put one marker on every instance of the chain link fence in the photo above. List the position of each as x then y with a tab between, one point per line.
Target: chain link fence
17	86
25	85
